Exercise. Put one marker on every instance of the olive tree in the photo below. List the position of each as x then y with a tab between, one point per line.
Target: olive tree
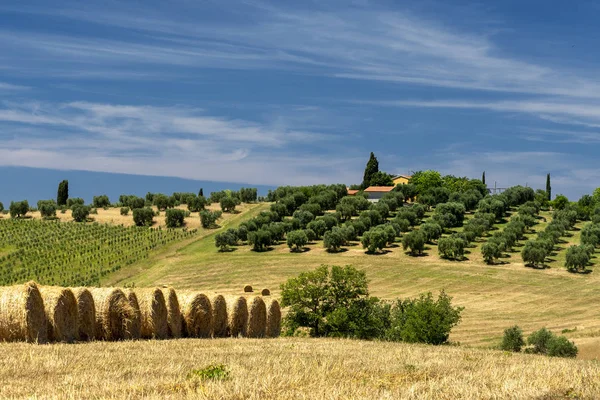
296	240
80	212
414	242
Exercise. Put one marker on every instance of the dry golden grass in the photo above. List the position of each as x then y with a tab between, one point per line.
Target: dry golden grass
495	297
288	369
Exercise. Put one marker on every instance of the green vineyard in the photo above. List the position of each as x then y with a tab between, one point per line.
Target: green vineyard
73	254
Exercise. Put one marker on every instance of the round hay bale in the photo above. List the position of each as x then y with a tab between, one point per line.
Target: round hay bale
153	308
22	314
273	319
197	315
257	317
248	289
237	316
174	317
219	317
135	325
86	311
61	312
265	292
113	314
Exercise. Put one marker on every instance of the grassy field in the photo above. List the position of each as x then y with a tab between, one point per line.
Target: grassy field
294	368
495	297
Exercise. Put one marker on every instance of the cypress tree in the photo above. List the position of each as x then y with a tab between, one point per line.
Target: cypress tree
371	169
483	178
63	193
201	193
548	187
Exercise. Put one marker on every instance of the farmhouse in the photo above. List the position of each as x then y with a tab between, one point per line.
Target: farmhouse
401	180
376	192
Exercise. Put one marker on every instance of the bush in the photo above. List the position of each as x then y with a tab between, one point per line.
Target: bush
534	252
315	297
513	339
333	239
414	242
296	240
432	231
423	320
540	340
490	252
374	239
260	240
452	248
228	203
101	201
80	212
143	216
560	346
174	218
47	208
196	204
577	258
224	240
124	210
18	209
208	219
73	201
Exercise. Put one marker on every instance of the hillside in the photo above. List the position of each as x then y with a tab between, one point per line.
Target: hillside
495	297
294	368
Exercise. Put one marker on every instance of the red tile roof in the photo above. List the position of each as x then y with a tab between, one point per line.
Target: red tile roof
352	192
379	189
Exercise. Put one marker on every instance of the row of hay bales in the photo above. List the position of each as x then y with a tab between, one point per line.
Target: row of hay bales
40	314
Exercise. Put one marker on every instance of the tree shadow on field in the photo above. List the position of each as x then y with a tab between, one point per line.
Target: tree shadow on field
423	254
265	250
352	244
540	266
340	250
498	262
580	272
228	250
378	253
300	251
393	246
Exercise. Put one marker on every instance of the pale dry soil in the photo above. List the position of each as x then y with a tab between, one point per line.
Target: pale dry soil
113	216
293	368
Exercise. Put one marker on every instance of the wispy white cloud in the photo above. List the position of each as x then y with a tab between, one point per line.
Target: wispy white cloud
166	141
358	43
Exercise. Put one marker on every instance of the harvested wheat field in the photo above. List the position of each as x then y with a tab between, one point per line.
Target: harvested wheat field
294	368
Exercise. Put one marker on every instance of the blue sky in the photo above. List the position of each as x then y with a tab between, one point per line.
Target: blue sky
296	93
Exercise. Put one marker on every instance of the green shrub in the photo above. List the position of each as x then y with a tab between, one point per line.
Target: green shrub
47	208
143	216
80	212
216	372
72	201
296	240
260	240
124	210
540	340
228	203
414	242
18	209
452	248
174	217
577	258
208	219
101	201
196	204
513	339
560	346
333	239
225	239
423	320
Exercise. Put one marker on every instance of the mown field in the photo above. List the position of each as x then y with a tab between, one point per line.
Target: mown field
287	368
494	296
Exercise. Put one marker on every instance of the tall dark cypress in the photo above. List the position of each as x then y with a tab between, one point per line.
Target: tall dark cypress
371	169
548	187
63	193
483	178
201	193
